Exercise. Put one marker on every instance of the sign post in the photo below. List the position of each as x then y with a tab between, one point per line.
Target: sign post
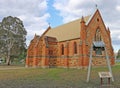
103	75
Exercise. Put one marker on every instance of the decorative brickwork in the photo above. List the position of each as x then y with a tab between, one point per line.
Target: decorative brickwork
68	46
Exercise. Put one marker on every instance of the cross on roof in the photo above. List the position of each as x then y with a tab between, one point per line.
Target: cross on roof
49	23
96	6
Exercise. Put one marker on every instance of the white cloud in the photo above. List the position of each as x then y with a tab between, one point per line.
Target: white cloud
33	13
118	8
36	25
110	10
72	9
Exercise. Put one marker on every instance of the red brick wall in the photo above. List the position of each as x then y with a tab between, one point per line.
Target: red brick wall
44	55
93	25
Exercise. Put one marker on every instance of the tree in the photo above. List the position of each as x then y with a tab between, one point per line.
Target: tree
12	38
118	54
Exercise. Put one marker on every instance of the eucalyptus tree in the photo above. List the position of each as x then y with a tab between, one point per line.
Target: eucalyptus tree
12	38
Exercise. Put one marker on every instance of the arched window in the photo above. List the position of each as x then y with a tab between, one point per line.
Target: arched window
62	49
98	35
75	48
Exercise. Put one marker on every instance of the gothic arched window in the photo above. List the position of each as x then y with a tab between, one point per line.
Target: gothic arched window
98	35
62	49
75	48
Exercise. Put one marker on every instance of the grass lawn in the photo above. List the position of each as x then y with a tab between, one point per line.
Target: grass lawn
19	77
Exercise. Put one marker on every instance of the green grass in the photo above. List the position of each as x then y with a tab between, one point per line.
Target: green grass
117	63
54	77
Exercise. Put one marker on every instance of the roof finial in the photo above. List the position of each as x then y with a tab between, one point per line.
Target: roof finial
96	6
35	35
82	19
108	29
49	24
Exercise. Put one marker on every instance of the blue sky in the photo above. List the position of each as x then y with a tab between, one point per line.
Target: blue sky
54	19
37	14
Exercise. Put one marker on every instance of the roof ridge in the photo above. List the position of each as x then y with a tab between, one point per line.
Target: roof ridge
71	21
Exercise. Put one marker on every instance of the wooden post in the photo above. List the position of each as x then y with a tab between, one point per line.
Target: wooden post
90	63
108	63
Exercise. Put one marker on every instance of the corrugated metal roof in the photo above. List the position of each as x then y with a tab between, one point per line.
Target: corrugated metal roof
98	43
67	31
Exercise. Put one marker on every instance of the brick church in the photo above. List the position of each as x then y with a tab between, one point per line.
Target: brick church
69	45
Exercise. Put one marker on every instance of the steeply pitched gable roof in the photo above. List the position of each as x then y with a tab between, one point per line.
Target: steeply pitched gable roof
67	31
